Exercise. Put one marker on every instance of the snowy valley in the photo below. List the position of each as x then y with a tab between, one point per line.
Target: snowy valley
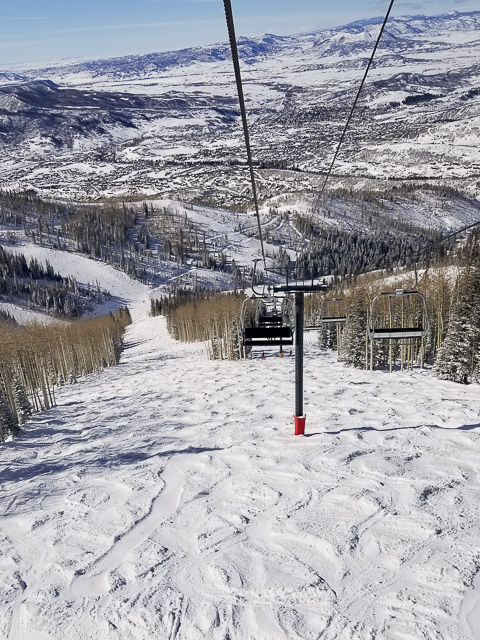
168	124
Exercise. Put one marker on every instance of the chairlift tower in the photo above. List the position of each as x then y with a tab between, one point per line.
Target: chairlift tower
299	290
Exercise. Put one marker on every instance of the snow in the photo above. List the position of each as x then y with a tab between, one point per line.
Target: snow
168	498
86	271
23	315
296	79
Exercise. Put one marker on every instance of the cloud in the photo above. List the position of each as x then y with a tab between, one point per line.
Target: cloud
415	6
139	25
22	43
409	6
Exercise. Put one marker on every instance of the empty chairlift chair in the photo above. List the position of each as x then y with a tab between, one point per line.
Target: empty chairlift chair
332	311
399	315
268	330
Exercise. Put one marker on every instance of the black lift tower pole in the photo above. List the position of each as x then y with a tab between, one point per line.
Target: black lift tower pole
299	290
299	323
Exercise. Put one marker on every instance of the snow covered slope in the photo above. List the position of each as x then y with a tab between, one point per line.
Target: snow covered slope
24	315
123	289
168	498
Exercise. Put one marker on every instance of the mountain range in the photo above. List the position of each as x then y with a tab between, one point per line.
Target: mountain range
168	125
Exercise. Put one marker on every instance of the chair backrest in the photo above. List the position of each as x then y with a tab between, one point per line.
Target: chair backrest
398	315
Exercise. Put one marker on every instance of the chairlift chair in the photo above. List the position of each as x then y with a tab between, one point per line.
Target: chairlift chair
269	327
332	310
398	315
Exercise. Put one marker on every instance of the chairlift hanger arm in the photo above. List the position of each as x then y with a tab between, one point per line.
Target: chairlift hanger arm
403	332
257	293
273	288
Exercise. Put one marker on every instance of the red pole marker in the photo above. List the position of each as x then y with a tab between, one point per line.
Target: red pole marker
300	425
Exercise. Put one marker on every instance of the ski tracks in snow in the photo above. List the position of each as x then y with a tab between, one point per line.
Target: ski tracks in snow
167	498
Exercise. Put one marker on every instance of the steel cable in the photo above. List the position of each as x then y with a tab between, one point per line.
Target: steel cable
342	137
344	132
439	242
241	99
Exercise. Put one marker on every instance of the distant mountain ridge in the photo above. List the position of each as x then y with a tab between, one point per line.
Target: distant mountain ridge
168	124
345	40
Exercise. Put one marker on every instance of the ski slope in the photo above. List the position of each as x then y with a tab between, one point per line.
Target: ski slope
167	498
24	315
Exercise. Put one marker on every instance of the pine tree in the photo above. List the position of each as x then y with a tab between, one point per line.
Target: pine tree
457	358
327	336
8	423
23	408
476	372
235	343
353	343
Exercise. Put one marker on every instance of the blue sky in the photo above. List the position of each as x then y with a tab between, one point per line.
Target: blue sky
36	31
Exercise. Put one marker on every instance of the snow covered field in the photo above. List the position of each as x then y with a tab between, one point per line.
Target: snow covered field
167	498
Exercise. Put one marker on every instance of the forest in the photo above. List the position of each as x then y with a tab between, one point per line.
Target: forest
32	285
451	346
134	238
35	359
137	237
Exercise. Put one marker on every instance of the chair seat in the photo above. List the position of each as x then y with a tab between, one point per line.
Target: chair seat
267	343
253	333
396	333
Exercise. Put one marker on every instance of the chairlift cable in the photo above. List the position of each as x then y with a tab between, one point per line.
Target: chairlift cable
455	233
241	99
354	105
344	132
438	242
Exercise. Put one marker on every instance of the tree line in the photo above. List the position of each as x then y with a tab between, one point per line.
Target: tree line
31	284
34	359
451	346
131	238
204	315
347	254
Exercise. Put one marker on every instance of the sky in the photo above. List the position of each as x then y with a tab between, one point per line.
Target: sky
33	32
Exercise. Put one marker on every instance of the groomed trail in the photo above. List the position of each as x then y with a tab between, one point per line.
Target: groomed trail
167	498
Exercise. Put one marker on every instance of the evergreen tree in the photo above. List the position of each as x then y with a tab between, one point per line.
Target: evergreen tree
23	408
8	423
327	336
457	358
353	343
235	344
476	372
